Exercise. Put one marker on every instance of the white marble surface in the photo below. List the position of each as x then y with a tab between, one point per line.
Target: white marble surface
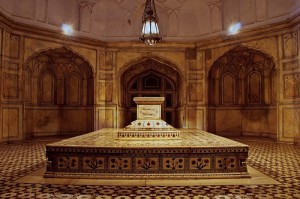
189	139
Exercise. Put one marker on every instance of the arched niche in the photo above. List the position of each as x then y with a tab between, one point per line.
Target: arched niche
241	93
58	93
151	78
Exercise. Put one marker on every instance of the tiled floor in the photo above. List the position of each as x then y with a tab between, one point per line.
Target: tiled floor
279	161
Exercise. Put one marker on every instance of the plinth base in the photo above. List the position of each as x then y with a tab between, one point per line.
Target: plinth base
100	154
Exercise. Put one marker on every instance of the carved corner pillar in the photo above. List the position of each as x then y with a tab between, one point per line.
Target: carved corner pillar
11	96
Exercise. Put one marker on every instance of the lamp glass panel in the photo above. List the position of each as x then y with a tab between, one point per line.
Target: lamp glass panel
153	27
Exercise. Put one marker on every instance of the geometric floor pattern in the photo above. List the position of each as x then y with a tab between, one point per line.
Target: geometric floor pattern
279	161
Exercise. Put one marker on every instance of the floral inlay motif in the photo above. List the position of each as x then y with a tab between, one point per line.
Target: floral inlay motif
147	163
173	163
200	163
120	163
93	163
67	162
226	163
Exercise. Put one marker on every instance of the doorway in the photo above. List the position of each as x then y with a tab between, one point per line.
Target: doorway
151	78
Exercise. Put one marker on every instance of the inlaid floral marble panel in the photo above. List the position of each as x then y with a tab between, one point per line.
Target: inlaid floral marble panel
101	154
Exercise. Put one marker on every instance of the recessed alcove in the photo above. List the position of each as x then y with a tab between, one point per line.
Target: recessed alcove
242	97
151	78
58	94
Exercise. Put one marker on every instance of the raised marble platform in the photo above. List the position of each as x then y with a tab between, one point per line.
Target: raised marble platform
100	154
149	124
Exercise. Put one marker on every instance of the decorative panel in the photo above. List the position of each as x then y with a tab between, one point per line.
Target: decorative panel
226	163
254	91
60	89
290	44
292	85
12	66
106	60
11	45
191	54
11	119
290	123
47	88
196	76
73	89
201	59
117	163
27	85
228	89
289	66
105	91
105	76
195	118
14	46
174	163
10	85
6	43
147	164
106	118
68	162
191	57
200	163
93	163
196	92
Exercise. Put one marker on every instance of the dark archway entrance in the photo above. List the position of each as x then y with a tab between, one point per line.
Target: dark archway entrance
242	94
151	78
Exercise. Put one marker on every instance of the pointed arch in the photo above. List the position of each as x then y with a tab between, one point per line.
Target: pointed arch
241	84
151	76
240	62
62	81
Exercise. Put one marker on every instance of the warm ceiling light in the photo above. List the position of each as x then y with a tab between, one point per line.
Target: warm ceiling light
150	31
234	28
67	29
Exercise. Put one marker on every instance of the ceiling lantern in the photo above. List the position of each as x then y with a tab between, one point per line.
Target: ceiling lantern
150	31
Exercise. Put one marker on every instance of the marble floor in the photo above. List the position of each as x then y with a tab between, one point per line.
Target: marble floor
281	162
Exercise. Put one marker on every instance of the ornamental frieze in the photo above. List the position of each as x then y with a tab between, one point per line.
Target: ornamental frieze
290	44
10	85
292	85
289	66
196	76
11	66
105	76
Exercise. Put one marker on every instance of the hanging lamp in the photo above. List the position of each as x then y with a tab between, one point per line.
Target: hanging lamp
150	32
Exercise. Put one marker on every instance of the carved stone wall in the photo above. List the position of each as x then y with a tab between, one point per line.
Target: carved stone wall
289	94
241	85
151	78
10	86
245	84
58	92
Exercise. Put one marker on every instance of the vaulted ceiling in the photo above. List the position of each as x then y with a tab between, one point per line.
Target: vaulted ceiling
120	20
